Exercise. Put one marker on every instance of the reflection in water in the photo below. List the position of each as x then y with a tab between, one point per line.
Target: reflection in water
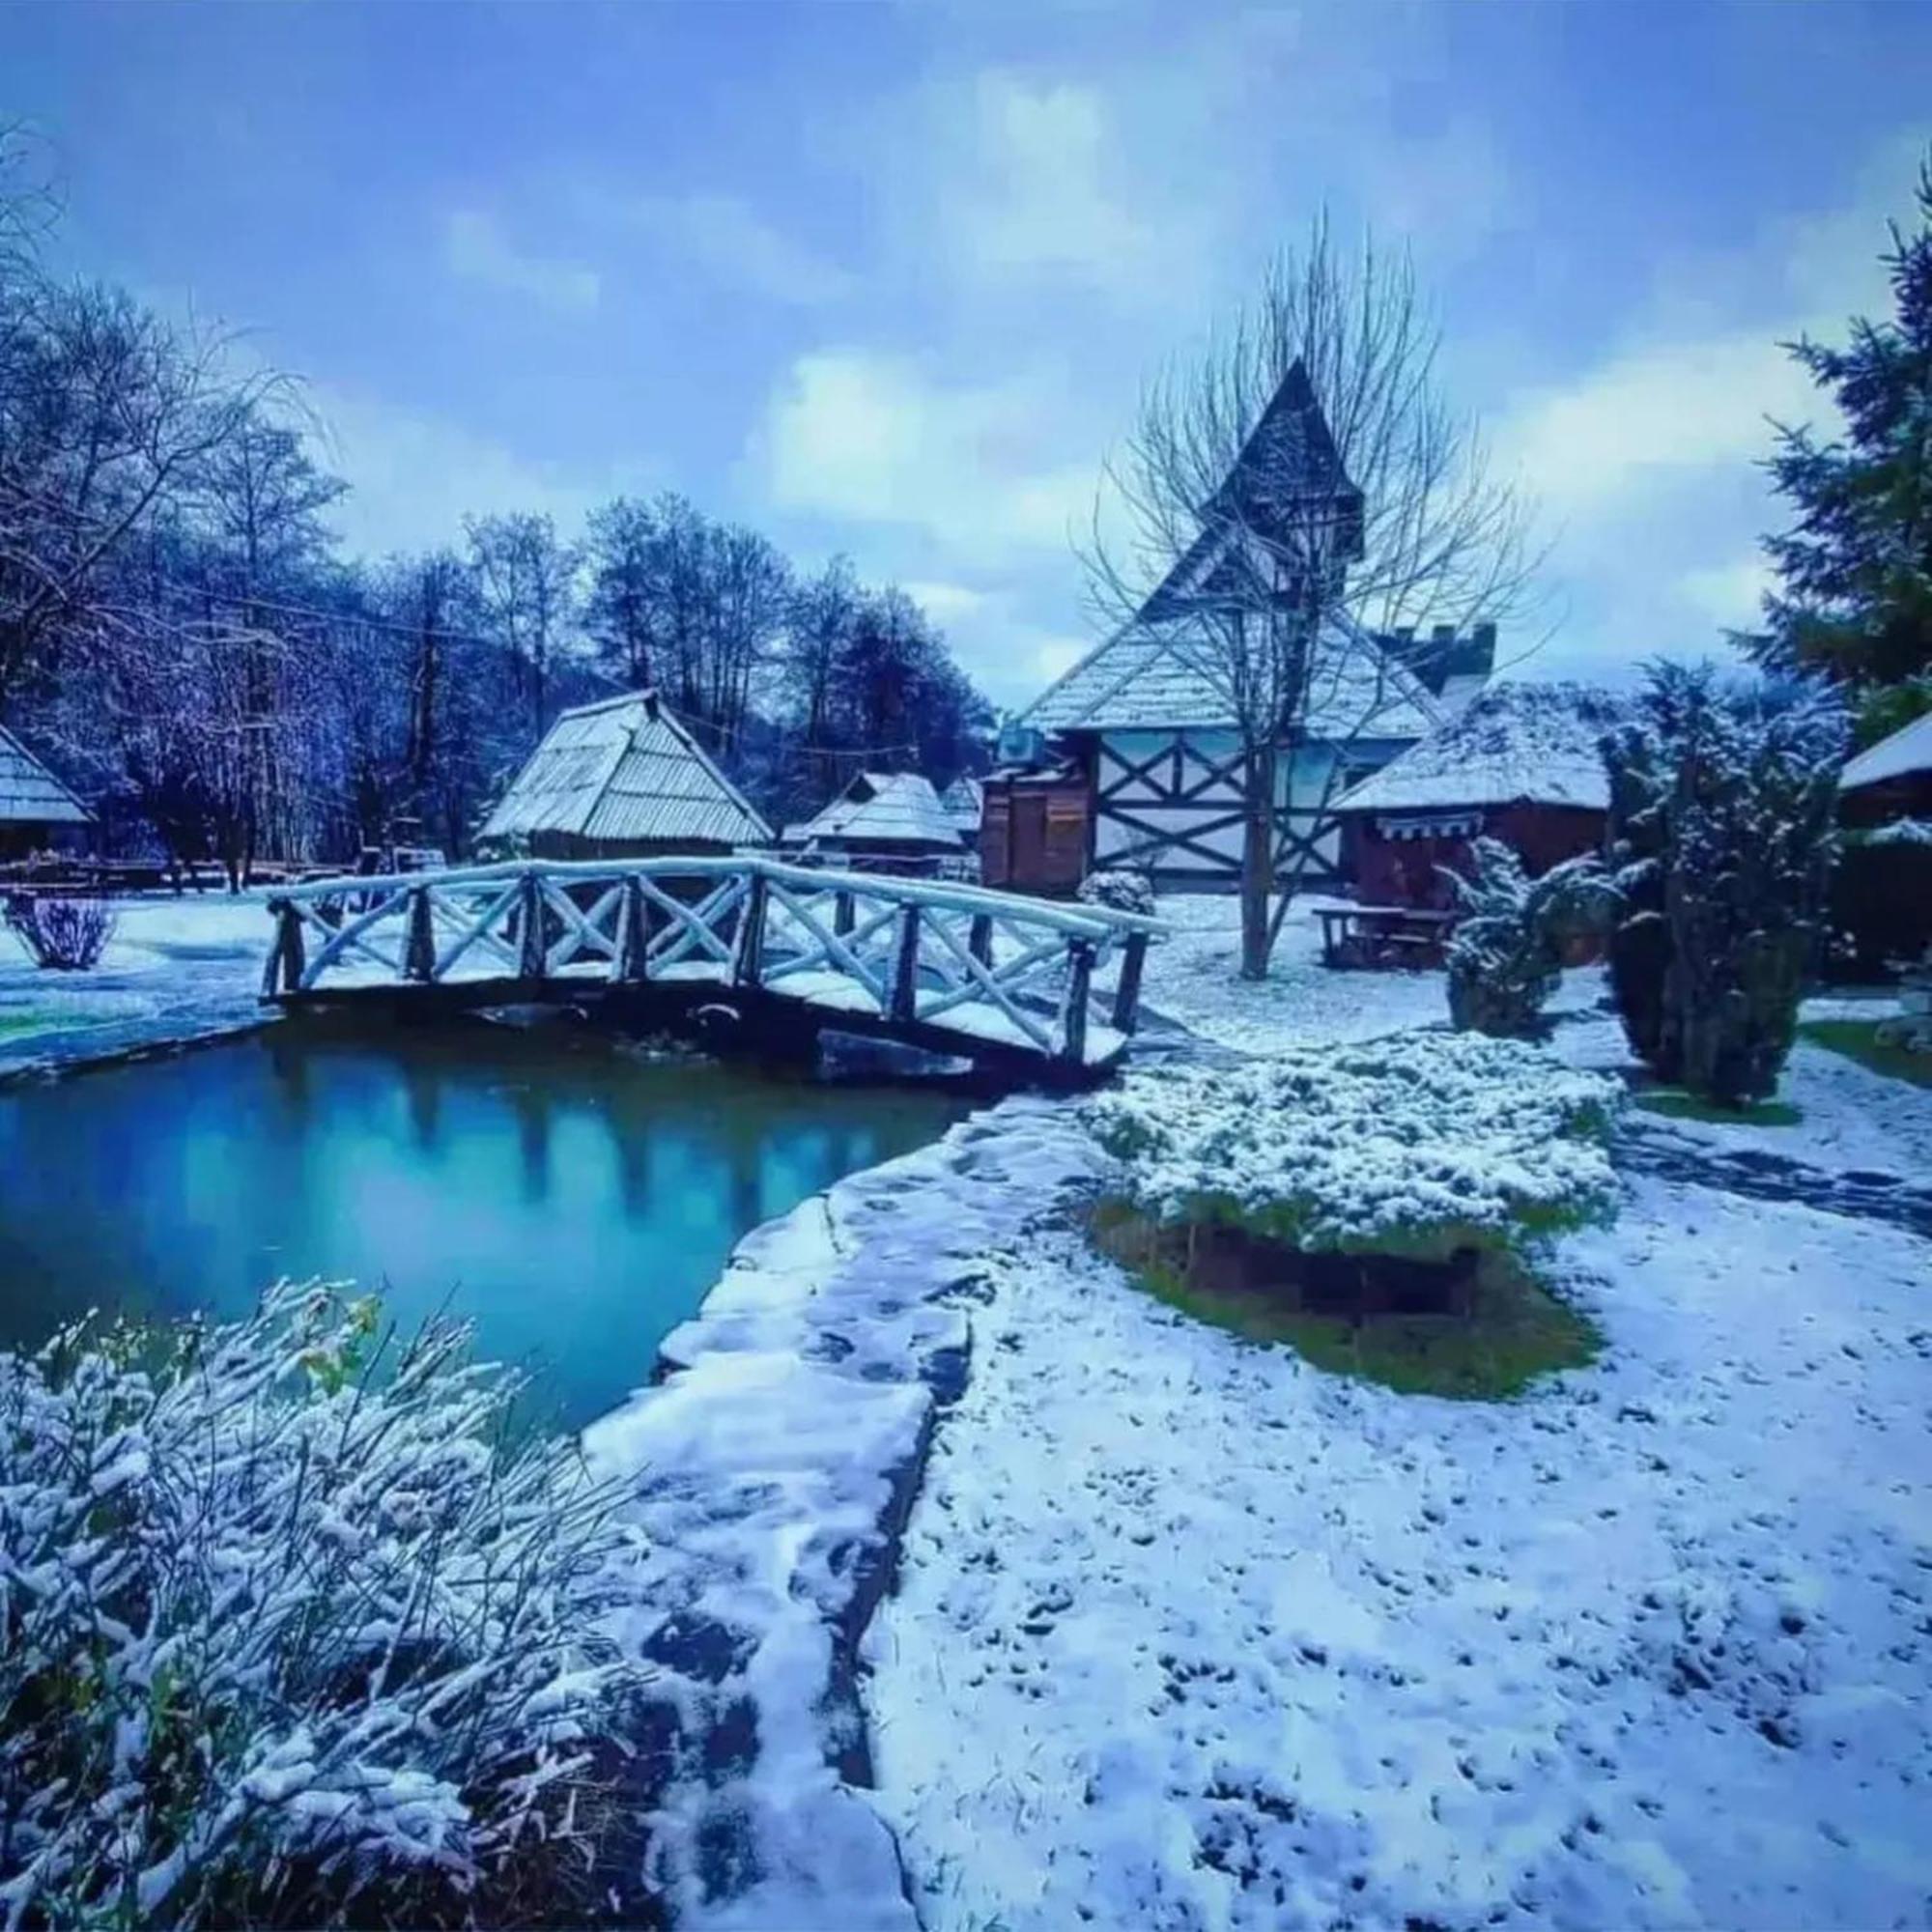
574	1202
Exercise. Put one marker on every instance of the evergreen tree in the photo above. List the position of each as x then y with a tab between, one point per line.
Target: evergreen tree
1855	570
1723	805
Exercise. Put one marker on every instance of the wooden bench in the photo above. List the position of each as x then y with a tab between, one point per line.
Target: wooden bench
1375	936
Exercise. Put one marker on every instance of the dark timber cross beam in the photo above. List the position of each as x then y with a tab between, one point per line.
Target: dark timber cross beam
1051	990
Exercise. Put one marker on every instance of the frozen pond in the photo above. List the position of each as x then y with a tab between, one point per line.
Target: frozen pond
574	1201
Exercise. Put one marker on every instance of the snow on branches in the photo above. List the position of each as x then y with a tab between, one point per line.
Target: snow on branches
1506	952
1419	1144
289	1625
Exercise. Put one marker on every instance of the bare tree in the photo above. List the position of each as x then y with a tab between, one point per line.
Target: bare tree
528	578
1295	495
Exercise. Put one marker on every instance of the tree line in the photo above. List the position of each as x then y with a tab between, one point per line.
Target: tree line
184	637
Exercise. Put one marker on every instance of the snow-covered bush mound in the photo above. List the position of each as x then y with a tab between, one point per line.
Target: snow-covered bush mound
1418	1144
1119	892
286	1641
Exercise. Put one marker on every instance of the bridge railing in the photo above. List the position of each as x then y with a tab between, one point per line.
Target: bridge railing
911	952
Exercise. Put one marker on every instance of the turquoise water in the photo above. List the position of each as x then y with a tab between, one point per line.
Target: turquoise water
573	1200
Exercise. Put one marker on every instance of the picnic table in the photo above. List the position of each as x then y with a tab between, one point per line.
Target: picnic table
1358	935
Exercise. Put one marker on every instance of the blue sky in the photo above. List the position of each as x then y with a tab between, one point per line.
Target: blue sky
887	279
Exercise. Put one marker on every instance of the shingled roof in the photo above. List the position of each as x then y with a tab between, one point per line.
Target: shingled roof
1907	751
1516	743
29	793
886	808
1164	677
625	772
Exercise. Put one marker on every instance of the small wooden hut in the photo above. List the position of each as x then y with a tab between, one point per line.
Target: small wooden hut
620	778
37	813
1521	764
882	821
1037	829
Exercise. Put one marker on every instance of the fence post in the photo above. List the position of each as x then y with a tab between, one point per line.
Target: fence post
749	963
841	914
419	948
286	961
905	967
531	951
979	940
1079	981
1127	989
634	932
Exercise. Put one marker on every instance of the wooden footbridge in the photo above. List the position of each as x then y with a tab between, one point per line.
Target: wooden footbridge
1048	990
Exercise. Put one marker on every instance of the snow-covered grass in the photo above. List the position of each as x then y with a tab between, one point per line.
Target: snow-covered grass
1190	1635
1193	977
173	968
286	1640
1419	1144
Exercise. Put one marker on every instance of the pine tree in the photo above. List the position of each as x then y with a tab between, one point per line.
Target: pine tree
1855	570
1722	809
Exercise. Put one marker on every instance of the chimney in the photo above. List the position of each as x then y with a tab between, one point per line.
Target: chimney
1484	638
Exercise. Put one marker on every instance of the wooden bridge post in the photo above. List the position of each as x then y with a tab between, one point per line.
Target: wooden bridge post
287	962
905	968
979	939
634	932
1127	988
843	918
1079	984
749	964
419	947
531	952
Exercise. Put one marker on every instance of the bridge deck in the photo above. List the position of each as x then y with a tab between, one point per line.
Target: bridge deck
990	975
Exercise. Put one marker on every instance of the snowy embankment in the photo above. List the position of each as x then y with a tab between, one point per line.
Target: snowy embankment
775	1468
176	969
1193	1635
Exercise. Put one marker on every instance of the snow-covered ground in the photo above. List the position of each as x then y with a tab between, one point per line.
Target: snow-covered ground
1189	1634
1193	977
1192	1635
175	968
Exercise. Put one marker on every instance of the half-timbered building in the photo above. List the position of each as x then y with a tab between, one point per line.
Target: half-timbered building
1145	727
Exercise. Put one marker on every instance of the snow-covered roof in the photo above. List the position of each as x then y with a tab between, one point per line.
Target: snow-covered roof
29	793
1164	676
965	802
896	807
625	771
1513	744
1908	750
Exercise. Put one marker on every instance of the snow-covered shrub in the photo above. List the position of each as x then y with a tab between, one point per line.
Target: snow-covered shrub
66	934
293	1634
1419	1146
1120	890
1506	952
1722	803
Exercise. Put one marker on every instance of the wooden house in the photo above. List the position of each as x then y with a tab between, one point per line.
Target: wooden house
1522	764
1890	780
1132	758
620	778
881	821
37	813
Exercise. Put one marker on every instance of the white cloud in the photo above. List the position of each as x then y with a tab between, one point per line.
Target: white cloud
1729	594
735	243
476	247
1042	189
415	477
866	437
1654	410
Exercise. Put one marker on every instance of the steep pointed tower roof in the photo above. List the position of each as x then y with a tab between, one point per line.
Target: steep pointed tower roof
1287	466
